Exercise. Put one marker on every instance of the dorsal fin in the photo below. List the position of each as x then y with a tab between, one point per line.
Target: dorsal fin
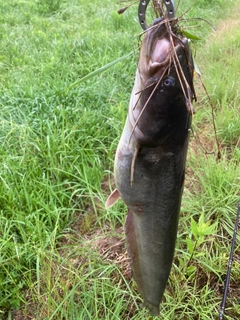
112	199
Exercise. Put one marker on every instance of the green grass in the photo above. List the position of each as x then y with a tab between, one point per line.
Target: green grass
62	255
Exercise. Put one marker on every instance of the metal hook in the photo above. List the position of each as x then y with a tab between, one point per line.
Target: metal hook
170	8
142	13
143	7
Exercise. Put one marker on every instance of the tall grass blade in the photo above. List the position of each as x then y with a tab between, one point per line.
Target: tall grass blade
98	71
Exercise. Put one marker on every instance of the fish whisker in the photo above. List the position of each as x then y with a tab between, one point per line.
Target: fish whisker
146	103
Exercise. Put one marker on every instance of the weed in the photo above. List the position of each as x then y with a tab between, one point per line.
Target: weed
48	6
58	139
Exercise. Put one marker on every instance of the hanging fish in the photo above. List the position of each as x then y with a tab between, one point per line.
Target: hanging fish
150	159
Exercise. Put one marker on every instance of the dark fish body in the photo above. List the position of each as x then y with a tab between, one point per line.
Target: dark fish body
150	160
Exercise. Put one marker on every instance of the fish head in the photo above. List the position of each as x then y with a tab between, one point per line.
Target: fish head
164	87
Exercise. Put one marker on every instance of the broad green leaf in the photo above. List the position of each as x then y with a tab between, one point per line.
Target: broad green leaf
190	245
194	228
209	229
191	270
201	220
190	35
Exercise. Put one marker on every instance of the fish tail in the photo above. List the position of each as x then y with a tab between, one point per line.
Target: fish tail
133	253
153	310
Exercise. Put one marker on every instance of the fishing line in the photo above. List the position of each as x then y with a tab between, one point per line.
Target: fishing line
230	261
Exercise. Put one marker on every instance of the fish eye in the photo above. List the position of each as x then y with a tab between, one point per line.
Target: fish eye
169	82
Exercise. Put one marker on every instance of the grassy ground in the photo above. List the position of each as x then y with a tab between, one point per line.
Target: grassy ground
62	255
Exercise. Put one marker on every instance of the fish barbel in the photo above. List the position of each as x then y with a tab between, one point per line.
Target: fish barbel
150	159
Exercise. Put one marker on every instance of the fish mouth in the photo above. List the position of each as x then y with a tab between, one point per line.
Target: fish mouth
158	50
157	61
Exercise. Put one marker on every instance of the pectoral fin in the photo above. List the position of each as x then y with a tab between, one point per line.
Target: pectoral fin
112	199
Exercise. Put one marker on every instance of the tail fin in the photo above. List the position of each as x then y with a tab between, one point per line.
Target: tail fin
133	252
